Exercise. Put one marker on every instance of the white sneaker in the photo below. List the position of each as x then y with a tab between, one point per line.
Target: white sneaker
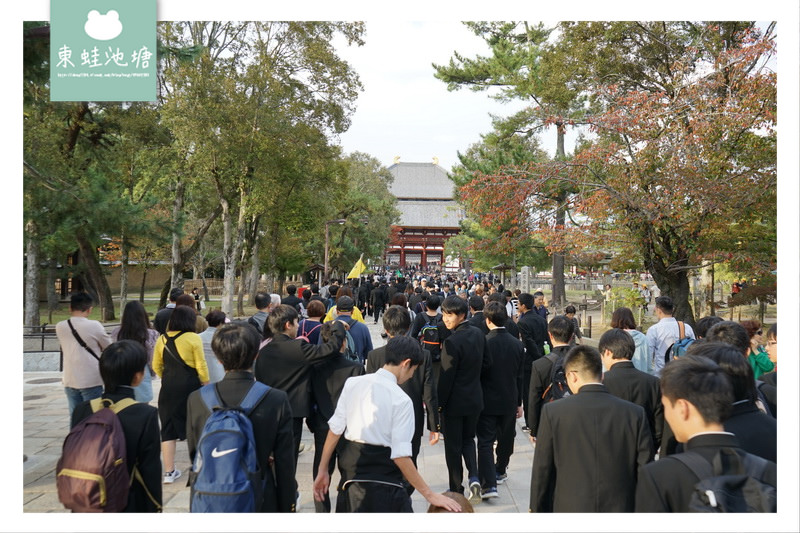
170	477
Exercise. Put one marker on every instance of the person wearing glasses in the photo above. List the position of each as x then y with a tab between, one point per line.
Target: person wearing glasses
590	445
758	357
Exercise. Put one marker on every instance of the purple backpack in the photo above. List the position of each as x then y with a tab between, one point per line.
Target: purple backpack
92	473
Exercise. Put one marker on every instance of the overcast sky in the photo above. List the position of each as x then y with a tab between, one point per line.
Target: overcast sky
404	110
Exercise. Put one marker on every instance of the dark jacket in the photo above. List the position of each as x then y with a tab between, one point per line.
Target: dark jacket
479	321
667	485
626	382
539	381
533	334
464	358
588	451
143	446
756	432
272	430
285	364
502	383
327	381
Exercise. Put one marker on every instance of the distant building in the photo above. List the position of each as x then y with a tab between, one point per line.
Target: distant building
429	215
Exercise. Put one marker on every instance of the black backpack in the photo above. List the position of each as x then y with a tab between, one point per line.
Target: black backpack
558	387
731	483
429	336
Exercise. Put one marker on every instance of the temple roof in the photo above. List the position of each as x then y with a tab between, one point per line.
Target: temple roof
420	180
430	213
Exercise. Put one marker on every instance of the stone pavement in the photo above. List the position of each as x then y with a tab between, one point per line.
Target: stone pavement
45	424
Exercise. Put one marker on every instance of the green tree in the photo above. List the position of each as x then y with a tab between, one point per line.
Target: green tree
679	154
523	67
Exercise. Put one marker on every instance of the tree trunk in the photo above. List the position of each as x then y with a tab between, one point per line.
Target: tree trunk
559	287
123	275
96	278
178	262
53	297
672	282
32	274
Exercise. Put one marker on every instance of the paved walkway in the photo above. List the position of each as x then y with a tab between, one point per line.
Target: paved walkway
45	424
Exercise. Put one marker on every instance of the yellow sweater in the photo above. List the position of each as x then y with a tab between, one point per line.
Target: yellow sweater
190	348
332	314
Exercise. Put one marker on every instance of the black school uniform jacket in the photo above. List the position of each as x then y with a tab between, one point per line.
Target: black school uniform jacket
588	452
272	430
533	334
479	321
539	381
667	485
756	432
502	383
464	358
285	364
327	382
142	443
420	388
624	381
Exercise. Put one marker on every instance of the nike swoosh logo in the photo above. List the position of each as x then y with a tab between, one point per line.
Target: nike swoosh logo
216	453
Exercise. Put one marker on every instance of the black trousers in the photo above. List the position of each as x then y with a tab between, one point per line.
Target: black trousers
527	369
491	428
459	442
320	435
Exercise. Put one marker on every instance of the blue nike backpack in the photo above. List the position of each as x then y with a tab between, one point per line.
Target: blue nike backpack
225	476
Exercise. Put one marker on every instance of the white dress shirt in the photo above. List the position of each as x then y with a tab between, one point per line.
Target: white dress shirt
373	409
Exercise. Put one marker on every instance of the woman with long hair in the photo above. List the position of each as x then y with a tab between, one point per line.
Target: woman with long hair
135	326
623	319
180	362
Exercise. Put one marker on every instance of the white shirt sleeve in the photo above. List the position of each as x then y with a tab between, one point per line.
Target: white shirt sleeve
338	422
402	429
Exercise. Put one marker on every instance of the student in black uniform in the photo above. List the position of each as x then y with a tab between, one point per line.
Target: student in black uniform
464	358
236	346
327	380
122	367
502	400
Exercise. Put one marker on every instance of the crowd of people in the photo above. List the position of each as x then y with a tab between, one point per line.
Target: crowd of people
617	428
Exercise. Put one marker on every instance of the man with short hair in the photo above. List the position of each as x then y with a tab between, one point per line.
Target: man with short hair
538	305
590	445
358	330
291	298
533	334
664	333
236	346
285	363
161	319
697	398
624	381
559	331
82	341
477	319
263	302
464	358
502	401
377	420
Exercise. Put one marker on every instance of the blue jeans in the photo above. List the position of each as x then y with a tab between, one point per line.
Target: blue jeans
77	396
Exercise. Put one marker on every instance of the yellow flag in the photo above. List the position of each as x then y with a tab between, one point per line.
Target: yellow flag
358	268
